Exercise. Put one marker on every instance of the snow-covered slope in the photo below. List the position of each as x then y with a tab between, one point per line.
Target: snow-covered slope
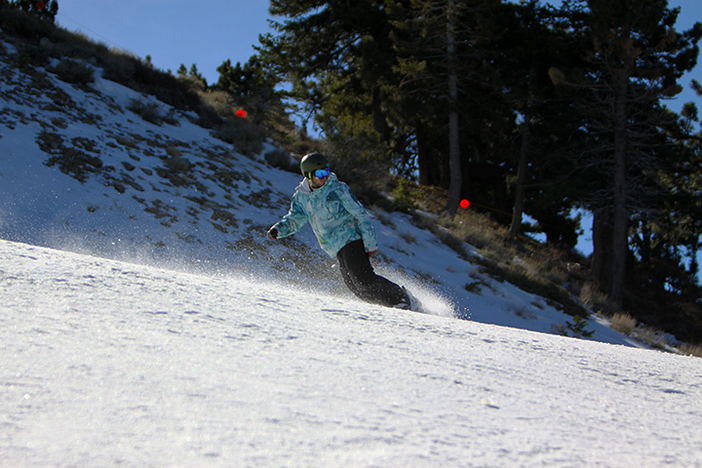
112	364
174	196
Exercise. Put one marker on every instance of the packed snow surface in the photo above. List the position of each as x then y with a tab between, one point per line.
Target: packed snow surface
115	364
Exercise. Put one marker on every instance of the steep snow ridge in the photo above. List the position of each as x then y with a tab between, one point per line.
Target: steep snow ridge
113	364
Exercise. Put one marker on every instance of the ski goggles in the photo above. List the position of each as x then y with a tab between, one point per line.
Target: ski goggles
321	173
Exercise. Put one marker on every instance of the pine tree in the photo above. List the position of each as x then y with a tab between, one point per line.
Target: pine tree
537	39
253	87
335	42
443	48
635	61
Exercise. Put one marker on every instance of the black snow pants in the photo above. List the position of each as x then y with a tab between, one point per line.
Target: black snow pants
360	278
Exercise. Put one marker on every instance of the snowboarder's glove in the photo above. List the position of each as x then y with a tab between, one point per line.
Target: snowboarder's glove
273	233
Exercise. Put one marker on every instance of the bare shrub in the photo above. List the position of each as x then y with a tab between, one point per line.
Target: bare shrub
690	350
148	111
623	323
282	160
592	297
74	72
119	66
219	101
524	311
479	231
151	112
247	137
652	337
408	237
77	45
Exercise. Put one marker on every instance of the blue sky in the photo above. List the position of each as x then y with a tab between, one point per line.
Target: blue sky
173	32
208	32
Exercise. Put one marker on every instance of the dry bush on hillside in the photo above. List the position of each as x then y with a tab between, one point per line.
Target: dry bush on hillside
623	323
591	296
219	101
152	112
247	137
74	72
690	350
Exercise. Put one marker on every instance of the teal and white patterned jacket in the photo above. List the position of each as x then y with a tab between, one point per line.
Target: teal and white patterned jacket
335	214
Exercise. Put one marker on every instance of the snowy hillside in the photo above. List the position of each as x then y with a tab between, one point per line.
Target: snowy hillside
81	172
113	364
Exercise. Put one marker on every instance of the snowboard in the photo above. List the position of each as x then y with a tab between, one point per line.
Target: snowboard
415	305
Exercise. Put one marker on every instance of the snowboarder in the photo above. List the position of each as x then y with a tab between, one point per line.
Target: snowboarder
343	229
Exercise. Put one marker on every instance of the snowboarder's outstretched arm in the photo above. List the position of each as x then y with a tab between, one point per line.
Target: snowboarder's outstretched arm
291	222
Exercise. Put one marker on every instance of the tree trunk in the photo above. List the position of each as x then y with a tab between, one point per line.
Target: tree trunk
456	181
621	216
379	121
602	248
516	227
